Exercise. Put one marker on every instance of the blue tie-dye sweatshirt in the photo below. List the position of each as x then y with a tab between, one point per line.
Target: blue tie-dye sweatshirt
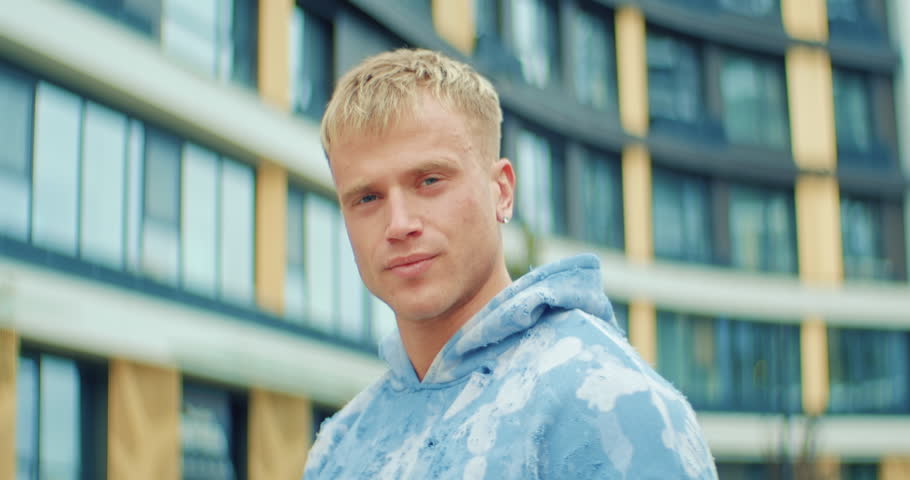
540	384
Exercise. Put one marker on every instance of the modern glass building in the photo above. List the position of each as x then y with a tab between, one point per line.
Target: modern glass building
178	298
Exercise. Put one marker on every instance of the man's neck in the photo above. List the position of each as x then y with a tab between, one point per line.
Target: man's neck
424	339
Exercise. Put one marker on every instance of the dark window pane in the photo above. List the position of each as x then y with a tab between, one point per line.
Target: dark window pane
621	313
852	113
674	79
593	60
682	217
863	240
754	101
541	167
209	435
762	229
534	36
752	8
295	280
141	15
161	222
869	371
862	20
859	471
245	31
27	419
17	93
722	364
311	63
600	189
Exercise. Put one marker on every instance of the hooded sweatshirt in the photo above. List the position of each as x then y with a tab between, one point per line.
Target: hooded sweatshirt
540	384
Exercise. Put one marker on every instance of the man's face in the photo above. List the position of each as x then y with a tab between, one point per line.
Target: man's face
420	205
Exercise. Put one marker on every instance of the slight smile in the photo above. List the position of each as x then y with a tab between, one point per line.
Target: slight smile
411	265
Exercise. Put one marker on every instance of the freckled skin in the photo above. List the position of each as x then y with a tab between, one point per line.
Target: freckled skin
423	188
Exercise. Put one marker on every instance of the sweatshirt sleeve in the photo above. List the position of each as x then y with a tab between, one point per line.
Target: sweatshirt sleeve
625	422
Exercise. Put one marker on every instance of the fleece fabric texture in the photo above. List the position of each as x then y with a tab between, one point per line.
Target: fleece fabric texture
540	384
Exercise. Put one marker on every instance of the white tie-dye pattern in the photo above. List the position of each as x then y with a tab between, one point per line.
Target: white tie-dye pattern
401	462
601	389
618	448
475	469
469	393
687	444
540	355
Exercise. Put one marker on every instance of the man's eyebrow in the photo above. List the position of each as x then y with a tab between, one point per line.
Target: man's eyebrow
433	165
356	191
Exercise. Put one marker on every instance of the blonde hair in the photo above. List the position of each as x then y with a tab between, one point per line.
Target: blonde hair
386	87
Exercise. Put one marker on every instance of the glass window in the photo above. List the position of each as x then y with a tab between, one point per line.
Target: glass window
852	113
869	371
621	312
134	193
161	225
211	437
210	35
682	217
674	80
244	43
103	187
60	422
320	229
762	229
859	19
58	117
199	219
311	63
722	364
593	60
534	36
752	8
27	419
237	230
863	240
295	280
541	168
600	182
754	101
748	471
352	306
190	32
16	103
141	15
859	471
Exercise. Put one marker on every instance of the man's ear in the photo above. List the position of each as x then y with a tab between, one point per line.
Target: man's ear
504	190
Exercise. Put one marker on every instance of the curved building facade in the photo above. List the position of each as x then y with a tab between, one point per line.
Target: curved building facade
178	298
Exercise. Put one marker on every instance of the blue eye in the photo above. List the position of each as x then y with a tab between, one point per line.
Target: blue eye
367	198
430	180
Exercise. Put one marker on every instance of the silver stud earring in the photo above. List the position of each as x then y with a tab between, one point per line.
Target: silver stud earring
505	219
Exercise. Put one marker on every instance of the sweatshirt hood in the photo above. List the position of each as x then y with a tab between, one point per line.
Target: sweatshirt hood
572	283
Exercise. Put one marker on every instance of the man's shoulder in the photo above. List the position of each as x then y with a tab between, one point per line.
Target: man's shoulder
599	365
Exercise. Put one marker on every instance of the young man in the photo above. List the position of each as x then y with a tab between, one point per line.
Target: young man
488	378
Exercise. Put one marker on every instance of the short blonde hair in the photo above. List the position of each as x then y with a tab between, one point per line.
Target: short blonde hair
385	87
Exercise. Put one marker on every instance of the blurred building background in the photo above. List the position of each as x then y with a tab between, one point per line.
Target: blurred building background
178	298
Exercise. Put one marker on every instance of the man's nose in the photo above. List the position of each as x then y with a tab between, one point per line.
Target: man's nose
404	220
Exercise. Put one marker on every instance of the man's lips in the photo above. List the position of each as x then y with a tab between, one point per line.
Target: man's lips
411	265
